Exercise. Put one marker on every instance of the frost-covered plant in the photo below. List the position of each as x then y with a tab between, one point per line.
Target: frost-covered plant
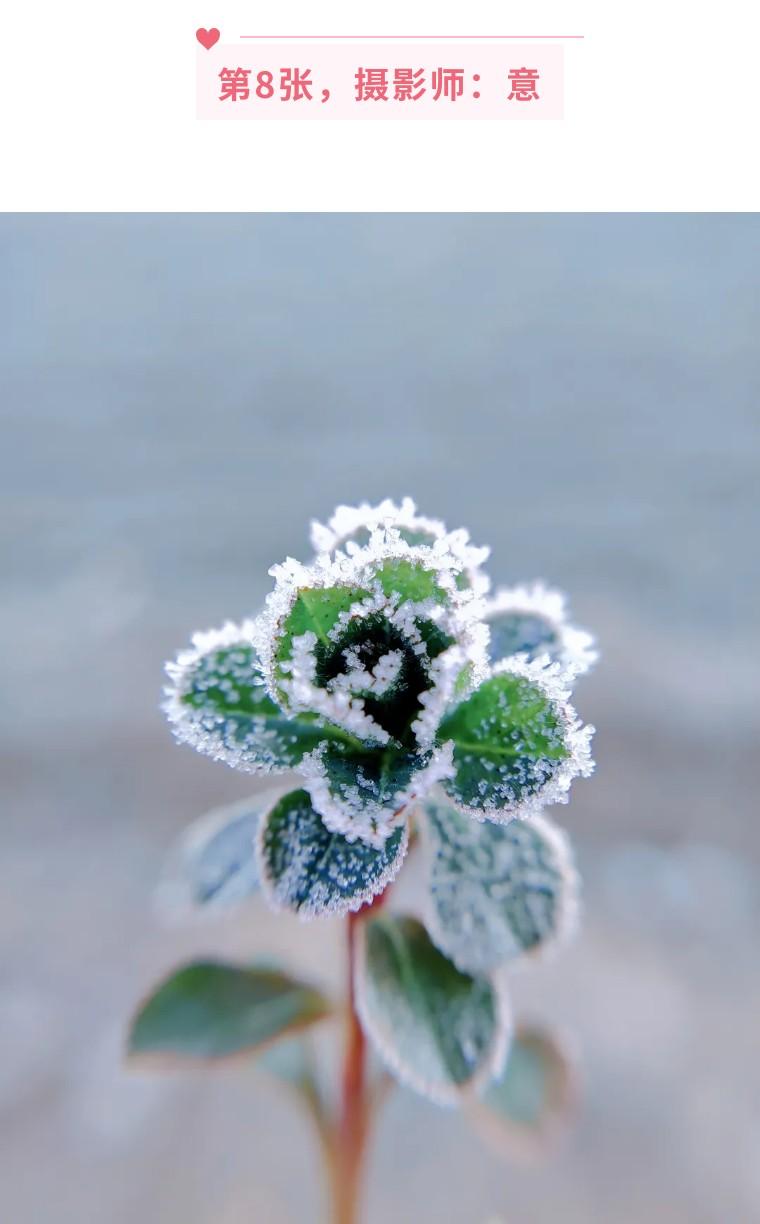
419	712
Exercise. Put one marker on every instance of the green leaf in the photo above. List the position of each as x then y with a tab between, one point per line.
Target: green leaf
416	536
510	740
527	633
209	1010
220	705
372	640
440	1031
410	580
315	872
365	672
361	793
315	610
532	1099
496	892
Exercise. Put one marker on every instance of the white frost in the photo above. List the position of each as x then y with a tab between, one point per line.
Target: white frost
358	811
445	672
458	615
553	681
220	738
575	650
350	549
336	704
378	682
348	521
336	887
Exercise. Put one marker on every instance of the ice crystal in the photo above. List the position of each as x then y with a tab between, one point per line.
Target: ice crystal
368	796
218	703
352	526
358	638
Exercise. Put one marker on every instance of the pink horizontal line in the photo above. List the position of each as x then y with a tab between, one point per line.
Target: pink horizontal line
458	37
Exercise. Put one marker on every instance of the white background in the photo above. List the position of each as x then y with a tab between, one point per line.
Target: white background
98	113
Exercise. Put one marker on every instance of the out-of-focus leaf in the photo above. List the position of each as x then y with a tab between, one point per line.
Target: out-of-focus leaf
532	1100
525	633
495	892
531	621
213	867
439	1030
210	1010
287	1061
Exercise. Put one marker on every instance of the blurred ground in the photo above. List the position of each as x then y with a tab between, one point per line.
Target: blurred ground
180	395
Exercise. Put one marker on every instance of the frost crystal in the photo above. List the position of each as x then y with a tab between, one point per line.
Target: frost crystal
218	703
193	724
351	526
368	803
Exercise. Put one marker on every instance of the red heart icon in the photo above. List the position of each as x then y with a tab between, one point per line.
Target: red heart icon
207	38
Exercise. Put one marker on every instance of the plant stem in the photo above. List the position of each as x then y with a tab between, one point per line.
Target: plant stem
353	1121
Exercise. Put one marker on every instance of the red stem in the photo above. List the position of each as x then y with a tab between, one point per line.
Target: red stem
351	1130
349	1135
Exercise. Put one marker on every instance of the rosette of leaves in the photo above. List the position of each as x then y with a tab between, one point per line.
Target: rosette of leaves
413	710
371	673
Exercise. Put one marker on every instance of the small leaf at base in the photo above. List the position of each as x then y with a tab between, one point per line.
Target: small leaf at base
528	1104
211	1010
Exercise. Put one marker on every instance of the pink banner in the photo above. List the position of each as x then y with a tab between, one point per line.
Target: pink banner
374	80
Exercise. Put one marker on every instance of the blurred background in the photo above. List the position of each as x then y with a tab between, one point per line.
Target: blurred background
180	395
